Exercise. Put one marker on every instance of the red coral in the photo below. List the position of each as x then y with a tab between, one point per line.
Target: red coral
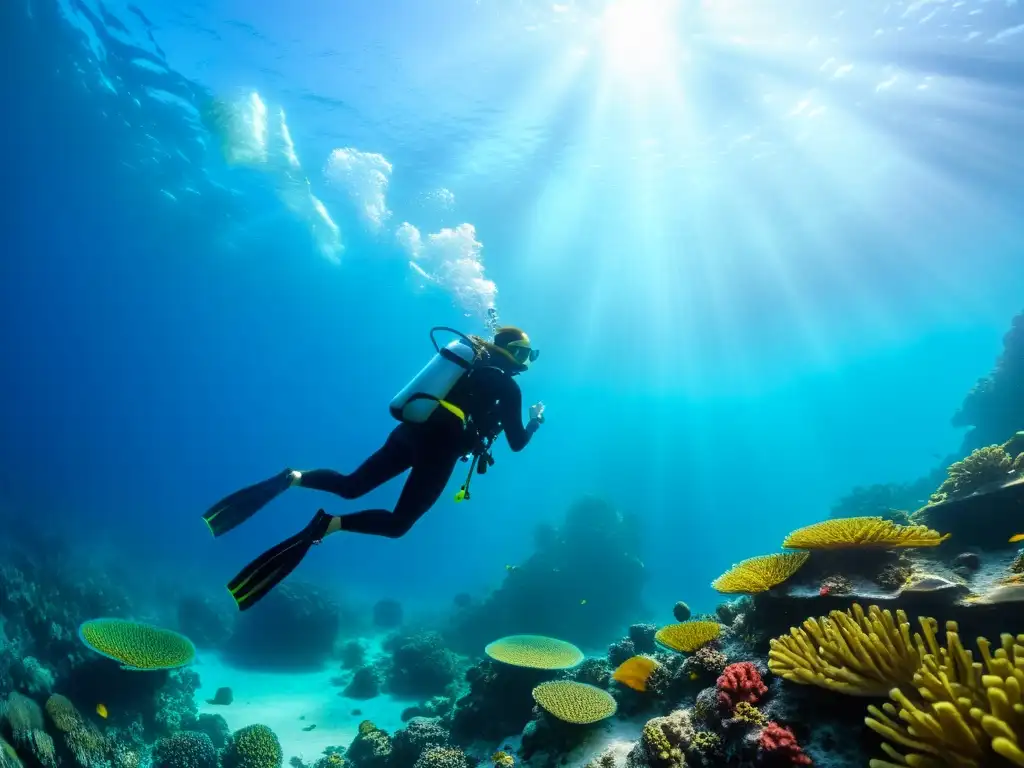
740	682
779	746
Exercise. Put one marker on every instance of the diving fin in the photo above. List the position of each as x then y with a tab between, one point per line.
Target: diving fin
269	569
233	510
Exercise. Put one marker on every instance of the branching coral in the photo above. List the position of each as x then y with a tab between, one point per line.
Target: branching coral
957	712
663	741
709	659
849	652
739	682
983	466
847	532
748	713
780	746
759	574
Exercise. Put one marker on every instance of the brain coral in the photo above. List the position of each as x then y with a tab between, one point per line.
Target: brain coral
688	636
137	646
185	749
255	746
535	651
573	702
759	574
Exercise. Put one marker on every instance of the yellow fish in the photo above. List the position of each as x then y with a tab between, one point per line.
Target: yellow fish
101	710
694	675
635	672
1017	537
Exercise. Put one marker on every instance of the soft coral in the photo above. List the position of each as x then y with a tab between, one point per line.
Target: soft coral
779	746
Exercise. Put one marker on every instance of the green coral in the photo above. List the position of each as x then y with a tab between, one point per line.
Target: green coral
187	749
371	748
663	741
748	713
983	466
255	746
137	646
705	742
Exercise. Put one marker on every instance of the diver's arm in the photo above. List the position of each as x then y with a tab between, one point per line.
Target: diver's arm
510	411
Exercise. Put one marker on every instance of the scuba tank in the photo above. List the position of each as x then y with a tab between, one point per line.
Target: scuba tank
418	400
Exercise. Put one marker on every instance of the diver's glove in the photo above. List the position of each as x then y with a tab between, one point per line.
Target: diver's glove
537	413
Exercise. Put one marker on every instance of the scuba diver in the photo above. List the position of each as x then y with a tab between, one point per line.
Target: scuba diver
453	410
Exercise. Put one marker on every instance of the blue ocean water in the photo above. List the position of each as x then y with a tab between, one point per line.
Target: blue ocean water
765	256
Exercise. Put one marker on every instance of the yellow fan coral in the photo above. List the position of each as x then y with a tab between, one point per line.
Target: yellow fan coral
849	652
688	636
958	712
572	702
862	532
759	574
534	651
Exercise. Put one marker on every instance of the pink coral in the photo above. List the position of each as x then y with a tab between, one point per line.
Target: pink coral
740	682
779	746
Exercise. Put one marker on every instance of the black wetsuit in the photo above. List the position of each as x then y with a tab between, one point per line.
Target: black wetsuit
492	400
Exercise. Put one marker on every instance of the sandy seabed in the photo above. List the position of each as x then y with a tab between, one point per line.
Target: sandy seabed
291	702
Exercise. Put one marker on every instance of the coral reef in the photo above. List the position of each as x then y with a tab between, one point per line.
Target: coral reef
387	614
739	682
421	665
582	584
419	735
994	408
499	701
205	622
295	628
364	684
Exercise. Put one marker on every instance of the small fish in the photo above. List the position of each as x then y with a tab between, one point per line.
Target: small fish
511	568
635	672
101	710
1016	537
694	676
309	727
583	602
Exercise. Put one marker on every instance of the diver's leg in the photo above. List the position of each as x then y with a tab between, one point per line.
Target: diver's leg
393	458
425	485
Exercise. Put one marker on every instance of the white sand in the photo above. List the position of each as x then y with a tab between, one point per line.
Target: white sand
281	699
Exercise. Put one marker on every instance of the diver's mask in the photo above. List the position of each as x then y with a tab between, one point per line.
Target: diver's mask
522	352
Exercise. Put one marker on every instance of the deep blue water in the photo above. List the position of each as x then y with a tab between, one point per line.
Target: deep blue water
762	270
